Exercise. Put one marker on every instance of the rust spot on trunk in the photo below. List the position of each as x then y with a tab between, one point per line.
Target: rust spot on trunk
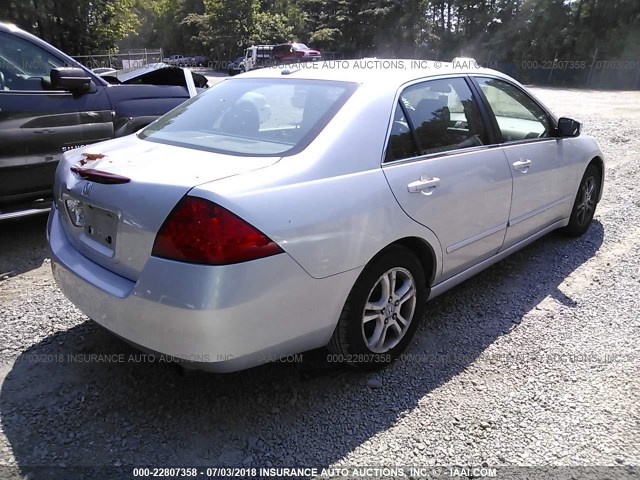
90	157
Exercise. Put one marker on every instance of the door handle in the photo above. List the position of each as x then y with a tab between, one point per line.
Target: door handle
522	165
423	184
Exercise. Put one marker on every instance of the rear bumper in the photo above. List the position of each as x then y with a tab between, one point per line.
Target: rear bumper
221	318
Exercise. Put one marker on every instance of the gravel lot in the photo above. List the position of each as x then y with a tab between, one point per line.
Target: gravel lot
532	362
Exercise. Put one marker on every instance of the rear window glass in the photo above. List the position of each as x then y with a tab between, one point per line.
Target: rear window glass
255	117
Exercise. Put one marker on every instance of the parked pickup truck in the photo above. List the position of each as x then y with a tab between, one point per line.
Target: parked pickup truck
50	103
175	60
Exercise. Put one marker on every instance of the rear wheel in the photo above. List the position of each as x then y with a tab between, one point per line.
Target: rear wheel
382	311
585	204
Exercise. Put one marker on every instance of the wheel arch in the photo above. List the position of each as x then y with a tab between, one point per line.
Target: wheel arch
425	253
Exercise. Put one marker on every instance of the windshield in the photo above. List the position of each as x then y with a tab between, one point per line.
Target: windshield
255	117
300	46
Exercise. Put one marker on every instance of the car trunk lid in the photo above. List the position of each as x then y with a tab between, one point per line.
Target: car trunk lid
114	196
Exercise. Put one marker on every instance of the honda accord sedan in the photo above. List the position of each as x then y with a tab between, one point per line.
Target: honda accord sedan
227	238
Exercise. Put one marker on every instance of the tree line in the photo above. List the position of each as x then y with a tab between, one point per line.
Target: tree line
512	33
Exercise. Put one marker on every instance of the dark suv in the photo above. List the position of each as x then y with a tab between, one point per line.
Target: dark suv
49	103
294	53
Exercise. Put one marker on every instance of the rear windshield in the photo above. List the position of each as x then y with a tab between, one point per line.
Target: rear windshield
255	117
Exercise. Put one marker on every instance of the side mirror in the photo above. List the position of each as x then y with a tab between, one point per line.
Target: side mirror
567	127
71	79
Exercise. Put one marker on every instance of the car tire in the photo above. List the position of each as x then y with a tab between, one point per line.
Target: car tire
584	206
369	334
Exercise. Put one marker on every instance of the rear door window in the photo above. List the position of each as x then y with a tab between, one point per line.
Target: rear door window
435	116
401	140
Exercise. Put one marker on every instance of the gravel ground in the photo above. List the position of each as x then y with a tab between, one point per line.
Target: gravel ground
532	362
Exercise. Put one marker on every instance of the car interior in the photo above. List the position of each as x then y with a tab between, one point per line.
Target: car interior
299	110
24	66
444	117
243	120
518	117
13	77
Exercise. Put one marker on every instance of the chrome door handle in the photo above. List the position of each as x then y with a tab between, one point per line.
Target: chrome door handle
522	165
423	184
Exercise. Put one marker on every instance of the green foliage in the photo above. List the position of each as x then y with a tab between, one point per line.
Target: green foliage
502	30
270	28
75	26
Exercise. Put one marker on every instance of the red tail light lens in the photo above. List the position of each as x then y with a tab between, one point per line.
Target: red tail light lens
199	231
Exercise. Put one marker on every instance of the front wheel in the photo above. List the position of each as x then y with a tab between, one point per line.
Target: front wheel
382	311
584	206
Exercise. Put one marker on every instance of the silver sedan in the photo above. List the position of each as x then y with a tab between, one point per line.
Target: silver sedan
286	210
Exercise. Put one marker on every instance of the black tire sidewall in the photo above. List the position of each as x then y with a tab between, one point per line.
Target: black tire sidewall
574	228
352	322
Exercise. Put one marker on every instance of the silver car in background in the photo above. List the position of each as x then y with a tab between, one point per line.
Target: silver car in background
229	234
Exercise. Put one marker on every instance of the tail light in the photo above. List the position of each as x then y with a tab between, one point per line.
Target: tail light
199	231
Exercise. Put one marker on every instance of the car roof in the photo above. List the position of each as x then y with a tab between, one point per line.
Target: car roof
9	27
371	70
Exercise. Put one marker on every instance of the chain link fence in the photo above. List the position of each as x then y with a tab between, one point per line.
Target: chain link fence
122	61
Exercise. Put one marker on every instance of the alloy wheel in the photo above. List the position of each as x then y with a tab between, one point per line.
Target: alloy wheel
389	310
587	203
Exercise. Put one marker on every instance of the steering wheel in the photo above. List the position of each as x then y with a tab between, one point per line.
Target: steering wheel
1	81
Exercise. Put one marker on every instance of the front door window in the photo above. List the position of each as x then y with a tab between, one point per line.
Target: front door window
23	65
519	117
